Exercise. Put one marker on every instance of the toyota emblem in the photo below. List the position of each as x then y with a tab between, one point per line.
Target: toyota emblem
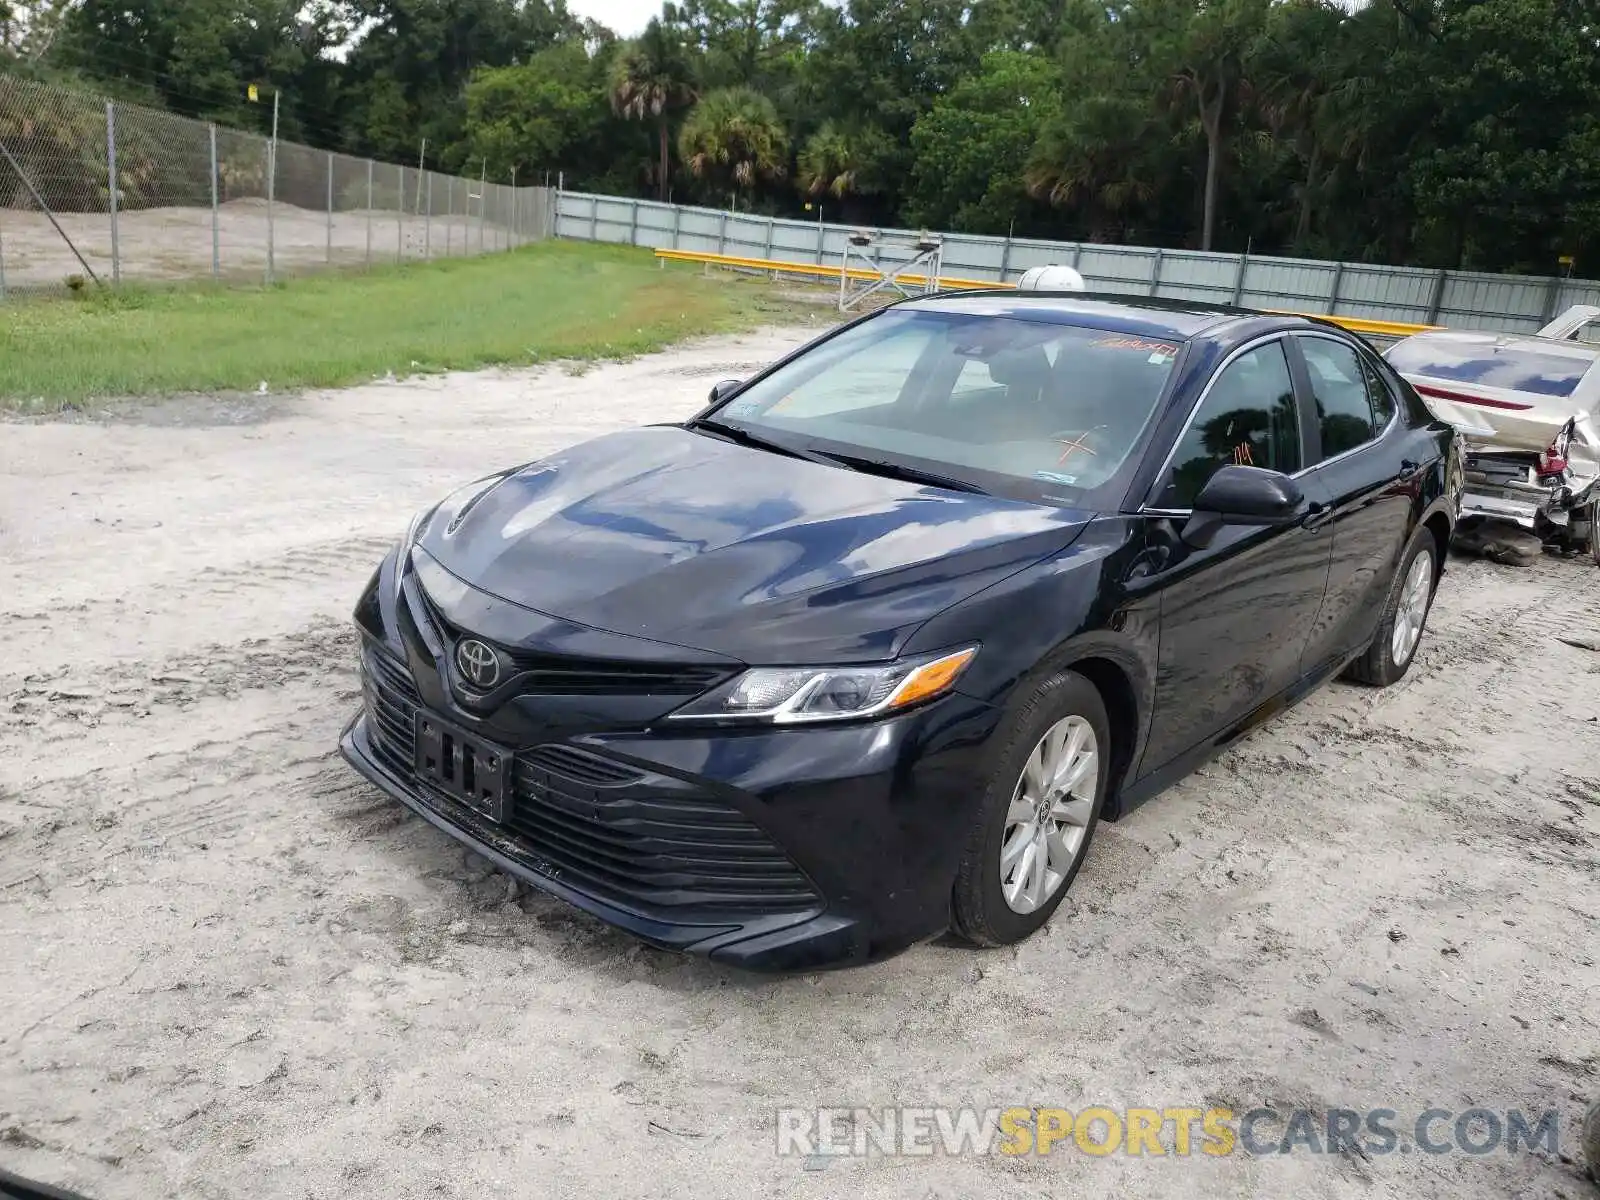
478	663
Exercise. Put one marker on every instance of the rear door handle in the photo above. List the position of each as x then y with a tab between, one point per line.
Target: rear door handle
1408	469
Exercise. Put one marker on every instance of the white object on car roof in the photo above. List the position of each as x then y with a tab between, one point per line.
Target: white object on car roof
1051	279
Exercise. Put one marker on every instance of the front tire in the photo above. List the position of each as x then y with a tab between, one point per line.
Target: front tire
1038	813
1404	615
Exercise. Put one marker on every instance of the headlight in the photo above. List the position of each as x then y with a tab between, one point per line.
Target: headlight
404	548
795	695
416	527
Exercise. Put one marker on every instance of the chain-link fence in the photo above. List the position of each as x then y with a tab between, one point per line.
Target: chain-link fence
195	200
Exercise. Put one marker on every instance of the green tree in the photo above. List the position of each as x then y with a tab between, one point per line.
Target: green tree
196	57
749	43
840	161
406	77
549	113
885	61
1309	94
971	149
653	78
732	140
1092	157
1441	132
1103	153
28	29
1515	89
1202	46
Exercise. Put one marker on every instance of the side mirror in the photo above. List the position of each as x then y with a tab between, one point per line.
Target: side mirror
1243	496
721	390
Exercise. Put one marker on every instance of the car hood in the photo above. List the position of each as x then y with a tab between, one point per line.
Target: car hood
679	537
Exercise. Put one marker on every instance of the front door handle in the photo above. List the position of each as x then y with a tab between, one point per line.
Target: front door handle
1317	514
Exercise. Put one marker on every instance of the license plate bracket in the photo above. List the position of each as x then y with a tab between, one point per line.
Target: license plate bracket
464	766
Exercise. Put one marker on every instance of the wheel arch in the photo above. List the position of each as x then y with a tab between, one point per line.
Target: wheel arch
1125	681
1116	690
1439	524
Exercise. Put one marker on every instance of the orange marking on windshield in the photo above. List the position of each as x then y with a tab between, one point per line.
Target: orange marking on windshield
1133	343
1074	444
1242	456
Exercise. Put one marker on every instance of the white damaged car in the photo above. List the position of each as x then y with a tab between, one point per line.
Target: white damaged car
1528	409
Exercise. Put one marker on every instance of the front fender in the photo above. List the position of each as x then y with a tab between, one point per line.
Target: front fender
1071	610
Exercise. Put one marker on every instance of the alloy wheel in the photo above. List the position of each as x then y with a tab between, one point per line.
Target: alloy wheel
1047	823
1412	610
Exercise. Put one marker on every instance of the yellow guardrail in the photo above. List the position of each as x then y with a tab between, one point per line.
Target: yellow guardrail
1396	329
815	270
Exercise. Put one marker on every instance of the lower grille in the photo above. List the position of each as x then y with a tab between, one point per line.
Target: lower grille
392	703
644	842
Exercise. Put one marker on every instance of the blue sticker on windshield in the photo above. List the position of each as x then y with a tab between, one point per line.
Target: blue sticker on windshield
1056	477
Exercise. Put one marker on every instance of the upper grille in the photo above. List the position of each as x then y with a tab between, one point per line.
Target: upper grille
654	845
571	675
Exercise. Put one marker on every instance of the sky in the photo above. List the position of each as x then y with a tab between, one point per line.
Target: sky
627	17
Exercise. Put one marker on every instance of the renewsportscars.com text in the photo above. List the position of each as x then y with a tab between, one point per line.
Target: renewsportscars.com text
1100	1130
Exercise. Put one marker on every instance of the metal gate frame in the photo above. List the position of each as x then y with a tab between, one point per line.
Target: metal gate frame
928	254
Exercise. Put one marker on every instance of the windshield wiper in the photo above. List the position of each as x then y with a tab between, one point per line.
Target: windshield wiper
874	466
894	470
738	433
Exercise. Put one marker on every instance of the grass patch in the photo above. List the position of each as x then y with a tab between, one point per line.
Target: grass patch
553	300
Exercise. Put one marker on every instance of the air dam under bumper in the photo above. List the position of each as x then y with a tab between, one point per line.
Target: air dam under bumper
868	819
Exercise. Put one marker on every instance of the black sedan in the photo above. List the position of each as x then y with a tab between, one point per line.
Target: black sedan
864	651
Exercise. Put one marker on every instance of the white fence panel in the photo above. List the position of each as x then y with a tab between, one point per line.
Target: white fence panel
1408	294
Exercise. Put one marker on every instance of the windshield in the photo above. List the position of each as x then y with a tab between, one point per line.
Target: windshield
1028	408
1513	367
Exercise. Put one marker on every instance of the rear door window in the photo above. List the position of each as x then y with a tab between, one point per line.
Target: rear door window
1339	387
1383	402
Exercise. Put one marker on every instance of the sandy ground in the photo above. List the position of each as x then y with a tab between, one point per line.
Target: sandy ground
231	969
164	244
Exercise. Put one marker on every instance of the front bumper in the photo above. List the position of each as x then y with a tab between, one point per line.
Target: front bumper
769	850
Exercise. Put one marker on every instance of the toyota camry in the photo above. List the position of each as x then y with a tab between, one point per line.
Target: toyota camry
865	650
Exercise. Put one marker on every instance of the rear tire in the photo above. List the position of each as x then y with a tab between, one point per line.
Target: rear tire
1033	826
1405	613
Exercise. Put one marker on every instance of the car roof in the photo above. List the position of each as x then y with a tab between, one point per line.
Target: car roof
1173	320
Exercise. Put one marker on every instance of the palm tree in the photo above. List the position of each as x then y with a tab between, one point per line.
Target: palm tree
1204	46
842	162
829	163
733	139
1089	156
651	78
1305	89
